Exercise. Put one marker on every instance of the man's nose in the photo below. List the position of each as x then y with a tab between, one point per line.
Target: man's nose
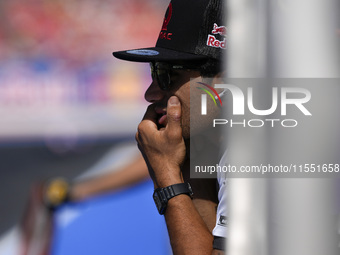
154	93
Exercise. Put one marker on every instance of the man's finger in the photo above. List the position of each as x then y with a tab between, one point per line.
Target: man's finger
174	115
150	113
150	117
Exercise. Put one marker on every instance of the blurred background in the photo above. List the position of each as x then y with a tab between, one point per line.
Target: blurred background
64	100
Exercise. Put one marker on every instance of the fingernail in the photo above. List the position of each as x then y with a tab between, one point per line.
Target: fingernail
173	101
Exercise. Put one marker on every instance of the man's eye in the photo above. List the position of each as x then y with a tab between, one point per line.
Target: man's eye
174	73
174	76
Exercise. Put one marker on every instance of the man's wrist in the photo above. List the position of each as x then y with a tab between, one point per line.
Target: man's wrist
169	176
166	183
161	196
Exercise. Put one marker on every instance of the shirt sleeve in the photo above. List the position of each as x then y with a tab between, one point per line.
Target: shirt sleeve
221	226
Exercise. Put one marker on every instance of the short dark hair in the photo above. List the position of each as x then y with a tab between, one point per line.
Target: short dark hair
211	68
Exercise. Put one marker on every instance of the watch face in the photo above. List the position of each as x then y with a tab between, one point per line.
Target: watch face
157	200
160	206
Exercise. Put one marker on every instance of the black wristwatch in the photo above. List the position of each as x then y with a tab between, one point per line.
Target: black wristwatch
161	196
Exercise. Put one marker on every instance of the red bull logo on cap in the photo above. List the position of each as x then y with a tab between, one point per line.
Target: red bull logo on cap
222	30
212	41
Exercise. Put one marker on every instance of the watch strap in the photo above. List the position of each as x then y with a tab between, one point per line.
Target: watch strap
165	194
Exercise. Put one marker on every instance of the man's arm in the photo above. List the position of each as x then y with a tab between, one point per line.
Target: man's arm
187	230
218	252
164	152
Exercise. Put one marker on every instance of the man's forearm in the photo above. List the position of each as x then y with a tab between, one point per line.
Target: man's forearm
187	230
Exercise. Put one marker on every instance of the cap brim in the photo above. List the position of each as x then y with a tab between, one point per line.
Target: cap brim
157	54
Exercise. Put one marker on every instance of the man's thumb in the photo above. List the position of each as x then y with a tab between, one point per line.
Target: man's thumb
174	114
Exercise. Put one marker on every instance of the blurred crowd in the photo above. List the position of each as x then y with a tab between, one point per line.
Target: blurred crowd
56	62
79	31
60	50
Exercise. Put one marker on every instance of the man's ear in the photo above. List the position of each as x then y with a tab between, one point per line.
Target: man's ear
220	77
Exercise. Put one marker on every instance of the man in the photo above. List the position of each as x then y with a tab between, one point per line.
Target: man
190	46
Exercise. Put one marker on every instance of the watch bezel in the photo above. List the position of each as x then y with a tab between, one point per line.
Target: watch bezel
160	203
161	196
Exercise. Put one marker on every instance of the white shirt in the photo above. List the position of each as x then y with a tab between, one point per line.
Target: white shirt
221	226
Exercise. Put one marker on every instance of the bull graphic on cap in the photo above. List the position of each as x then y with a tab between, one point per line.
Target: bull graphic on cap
167	18
222	30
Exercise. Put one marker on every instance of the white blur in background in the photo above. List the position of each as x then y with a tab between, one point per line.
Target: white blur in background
285	39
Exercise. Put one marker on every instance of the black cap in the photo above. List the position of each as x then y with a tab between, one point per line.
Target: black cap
192	30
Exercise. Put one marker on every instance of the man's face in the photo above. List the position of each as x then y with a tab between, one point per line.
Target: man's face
180	87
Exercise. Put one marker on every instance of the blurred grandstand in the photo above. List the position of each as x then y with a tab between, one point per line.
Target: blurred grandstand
64	100
57	75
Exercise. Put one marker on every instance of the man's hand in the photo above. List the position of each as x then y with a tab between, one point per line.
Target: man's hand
163	149
164	152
